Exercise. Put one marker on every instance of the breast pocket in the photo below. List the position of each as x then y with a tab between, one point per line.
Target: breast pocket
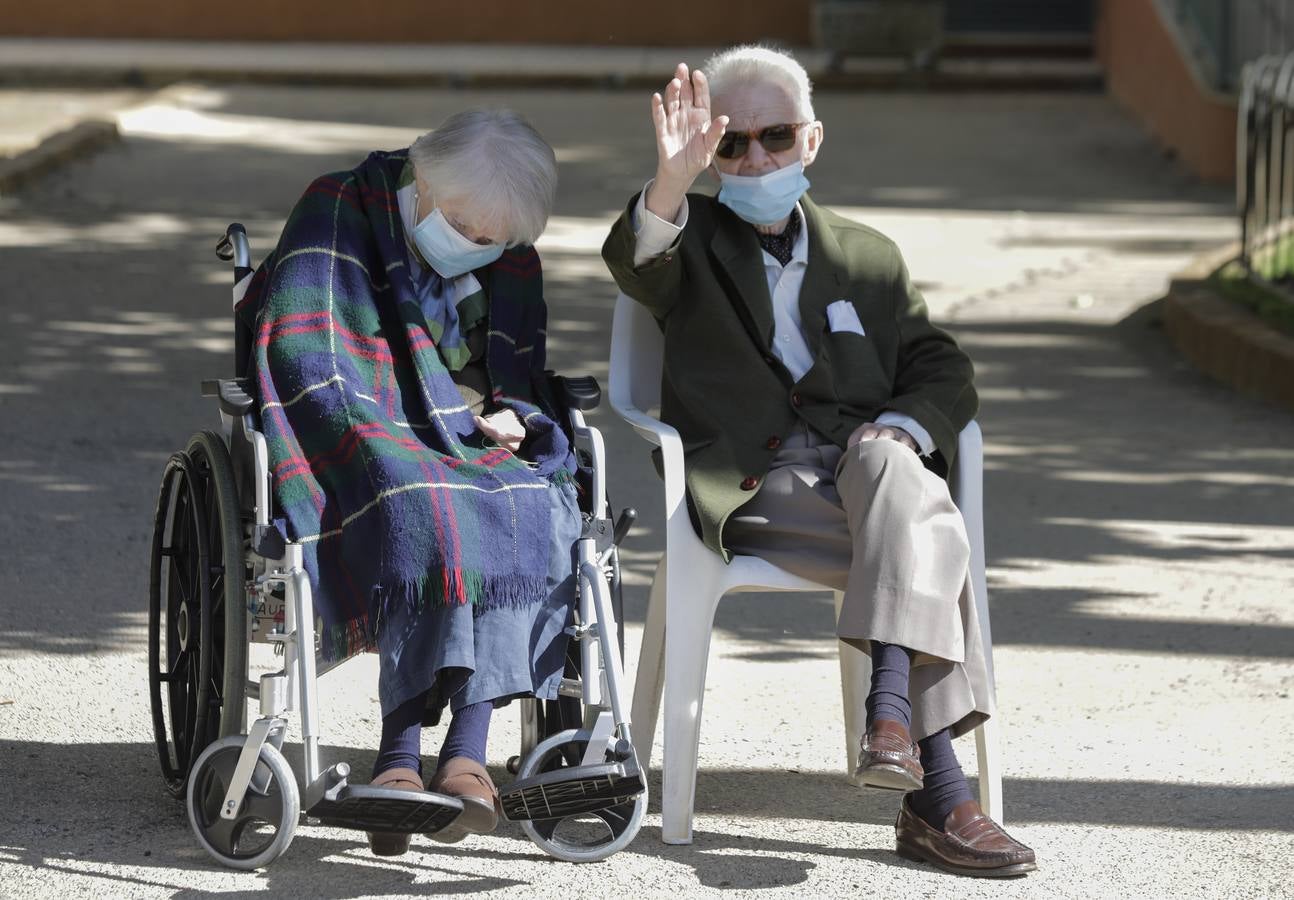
860	378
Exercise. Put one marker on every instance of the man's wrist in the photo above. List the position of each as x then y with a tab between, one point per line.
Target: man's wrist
665	198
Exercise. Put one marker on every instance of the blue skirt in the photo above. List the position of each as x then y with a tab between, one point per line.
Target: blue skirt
466	655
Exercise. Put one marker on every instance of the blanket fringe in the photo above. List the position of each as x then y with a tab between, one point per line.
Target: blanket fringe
454	587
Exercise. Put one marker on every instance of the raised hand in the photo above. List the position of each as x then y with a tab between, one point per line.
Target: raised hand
686	138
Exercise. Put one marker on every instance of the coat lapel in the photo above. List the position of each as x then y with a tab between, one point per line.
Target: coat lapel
823	278
738	253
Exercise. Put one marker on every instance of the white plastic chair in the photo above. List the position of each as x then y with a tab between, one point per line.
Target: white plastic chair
691	579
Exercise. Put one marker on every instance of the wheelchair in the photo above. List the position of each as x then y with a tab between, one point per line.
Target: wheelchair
223	579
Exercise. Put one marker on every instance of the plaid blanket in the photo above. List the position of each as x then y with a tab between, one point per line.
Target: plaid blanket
378	470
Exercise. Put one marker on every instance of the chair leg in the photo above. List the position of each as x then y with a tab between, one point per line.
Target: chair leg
687	652
649	679
988	752
855	678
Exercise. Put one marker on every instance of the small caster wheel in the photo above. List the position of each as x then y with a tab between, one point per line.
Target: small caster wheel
513	765
588	837
265	823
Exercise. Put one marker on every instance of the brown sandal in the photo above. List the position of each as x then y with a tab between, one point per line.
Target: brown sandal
467	780
389	843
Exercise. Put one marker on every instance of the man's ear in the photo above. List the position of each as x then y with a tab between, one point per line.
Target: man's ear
812	143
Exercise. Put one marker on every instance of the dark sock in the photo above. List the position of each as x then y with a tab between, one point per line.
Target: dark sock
945	786
401	744
888	698
467	733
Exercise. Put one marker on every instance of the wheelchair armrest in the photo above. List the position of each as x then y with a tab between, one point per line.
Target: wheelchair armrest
234	400
582	393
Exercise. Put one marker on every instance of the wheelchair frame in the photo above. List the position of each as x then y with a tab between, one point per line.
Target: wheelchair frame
578	774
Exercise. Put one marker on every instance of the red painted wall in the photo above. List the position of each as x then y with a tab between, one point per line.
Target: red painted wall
607	22
1146	72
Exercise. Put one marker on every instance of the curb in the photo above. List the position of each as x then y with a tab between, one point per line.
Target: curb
53	151
1230	343
899	80
150	63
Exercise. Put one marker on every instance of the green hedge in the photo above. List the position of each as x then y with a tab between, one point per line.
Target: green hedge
1274	306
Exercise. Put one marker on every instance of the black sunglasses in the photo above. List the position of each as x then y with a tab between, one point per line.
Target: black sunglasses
774	139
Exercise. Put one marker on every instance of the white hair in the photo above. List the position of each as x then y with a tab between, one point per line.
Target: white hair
752	62
495	162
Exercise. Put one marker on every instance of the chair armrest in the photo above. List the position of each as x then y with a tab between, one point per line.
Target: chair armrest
671	447
649	429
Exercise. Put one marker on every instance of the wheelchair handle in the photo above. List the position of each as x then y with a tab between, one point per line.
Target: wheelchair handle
233	245
627	517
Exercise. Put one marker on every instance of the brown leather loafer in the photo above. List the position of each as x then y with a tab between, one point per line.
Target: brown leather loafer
467	780
388	843
970	844
889	758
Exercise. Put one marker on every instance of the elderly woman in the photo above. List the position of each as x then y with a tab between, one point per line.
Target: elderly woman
399	363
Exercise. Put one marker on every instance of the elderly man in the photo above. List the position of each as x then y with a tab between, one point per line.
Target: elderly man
818	408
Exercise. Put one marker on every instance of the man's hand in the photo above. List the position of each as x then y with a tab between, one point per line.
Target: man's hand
871	432
686	138
504	428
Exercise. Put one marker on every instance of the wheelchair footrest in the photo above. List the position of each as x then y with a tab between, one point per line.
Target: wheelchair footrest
571	791
386	809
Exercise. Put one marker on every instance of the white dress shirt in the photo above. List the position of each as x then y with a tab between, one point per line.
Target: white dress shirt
654	236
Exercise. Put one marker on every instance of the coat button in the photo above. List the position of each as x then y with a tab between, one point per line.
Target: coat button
773	443
771	360
748	483
795	399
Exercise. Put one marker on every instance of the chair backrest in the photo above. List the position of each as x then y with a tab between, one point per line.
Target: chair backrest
636	349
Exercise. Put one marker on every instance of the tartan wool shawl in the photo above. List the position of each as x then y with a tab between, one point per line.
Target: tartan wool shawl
378	469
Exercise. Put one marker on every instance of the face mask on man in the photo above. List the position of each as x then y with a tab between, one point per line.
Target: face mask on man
764	199
449	252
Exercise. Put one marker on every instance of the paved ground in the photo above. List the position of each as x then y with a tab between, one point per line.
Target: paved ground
29	116
1140	533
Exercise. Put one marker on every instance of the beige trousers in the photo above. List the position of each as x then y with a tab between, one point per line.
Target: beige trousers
873	522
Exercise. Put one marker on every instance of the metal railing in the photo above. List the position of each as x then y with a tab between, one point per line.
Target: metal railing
1224	35
1265	167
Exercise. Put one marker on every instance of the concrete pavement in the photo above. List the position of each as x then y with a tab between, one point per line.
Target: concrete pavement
1139	521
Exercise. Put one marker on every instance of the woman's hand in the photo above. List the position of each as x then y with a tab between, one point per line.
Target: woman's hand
686	139
504	428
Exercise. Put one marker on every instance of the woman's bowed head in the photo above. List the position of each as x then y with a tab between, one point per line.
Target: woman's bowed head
491	175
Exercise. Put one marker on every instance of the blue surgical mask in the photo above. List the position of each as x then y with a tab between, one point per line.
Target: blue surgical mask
449	252
764	199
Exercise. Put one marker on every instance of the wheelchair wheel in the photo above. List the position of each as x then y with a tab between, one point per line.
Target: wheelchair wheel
265	823
197	619
588	837
228	574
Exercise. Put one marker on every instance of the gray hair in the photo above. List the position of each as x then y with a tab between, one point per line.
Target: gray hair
753	62
497	162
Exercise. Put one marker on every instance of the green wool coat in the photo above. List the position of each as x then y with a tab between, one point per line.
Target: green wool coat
730	397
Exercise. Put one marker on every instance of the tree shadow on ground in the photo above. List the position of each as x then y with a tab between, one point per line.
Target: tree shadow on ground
112	820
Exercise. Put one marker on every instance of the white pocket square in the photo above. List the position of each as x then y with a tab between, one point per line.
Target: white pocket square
841	316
